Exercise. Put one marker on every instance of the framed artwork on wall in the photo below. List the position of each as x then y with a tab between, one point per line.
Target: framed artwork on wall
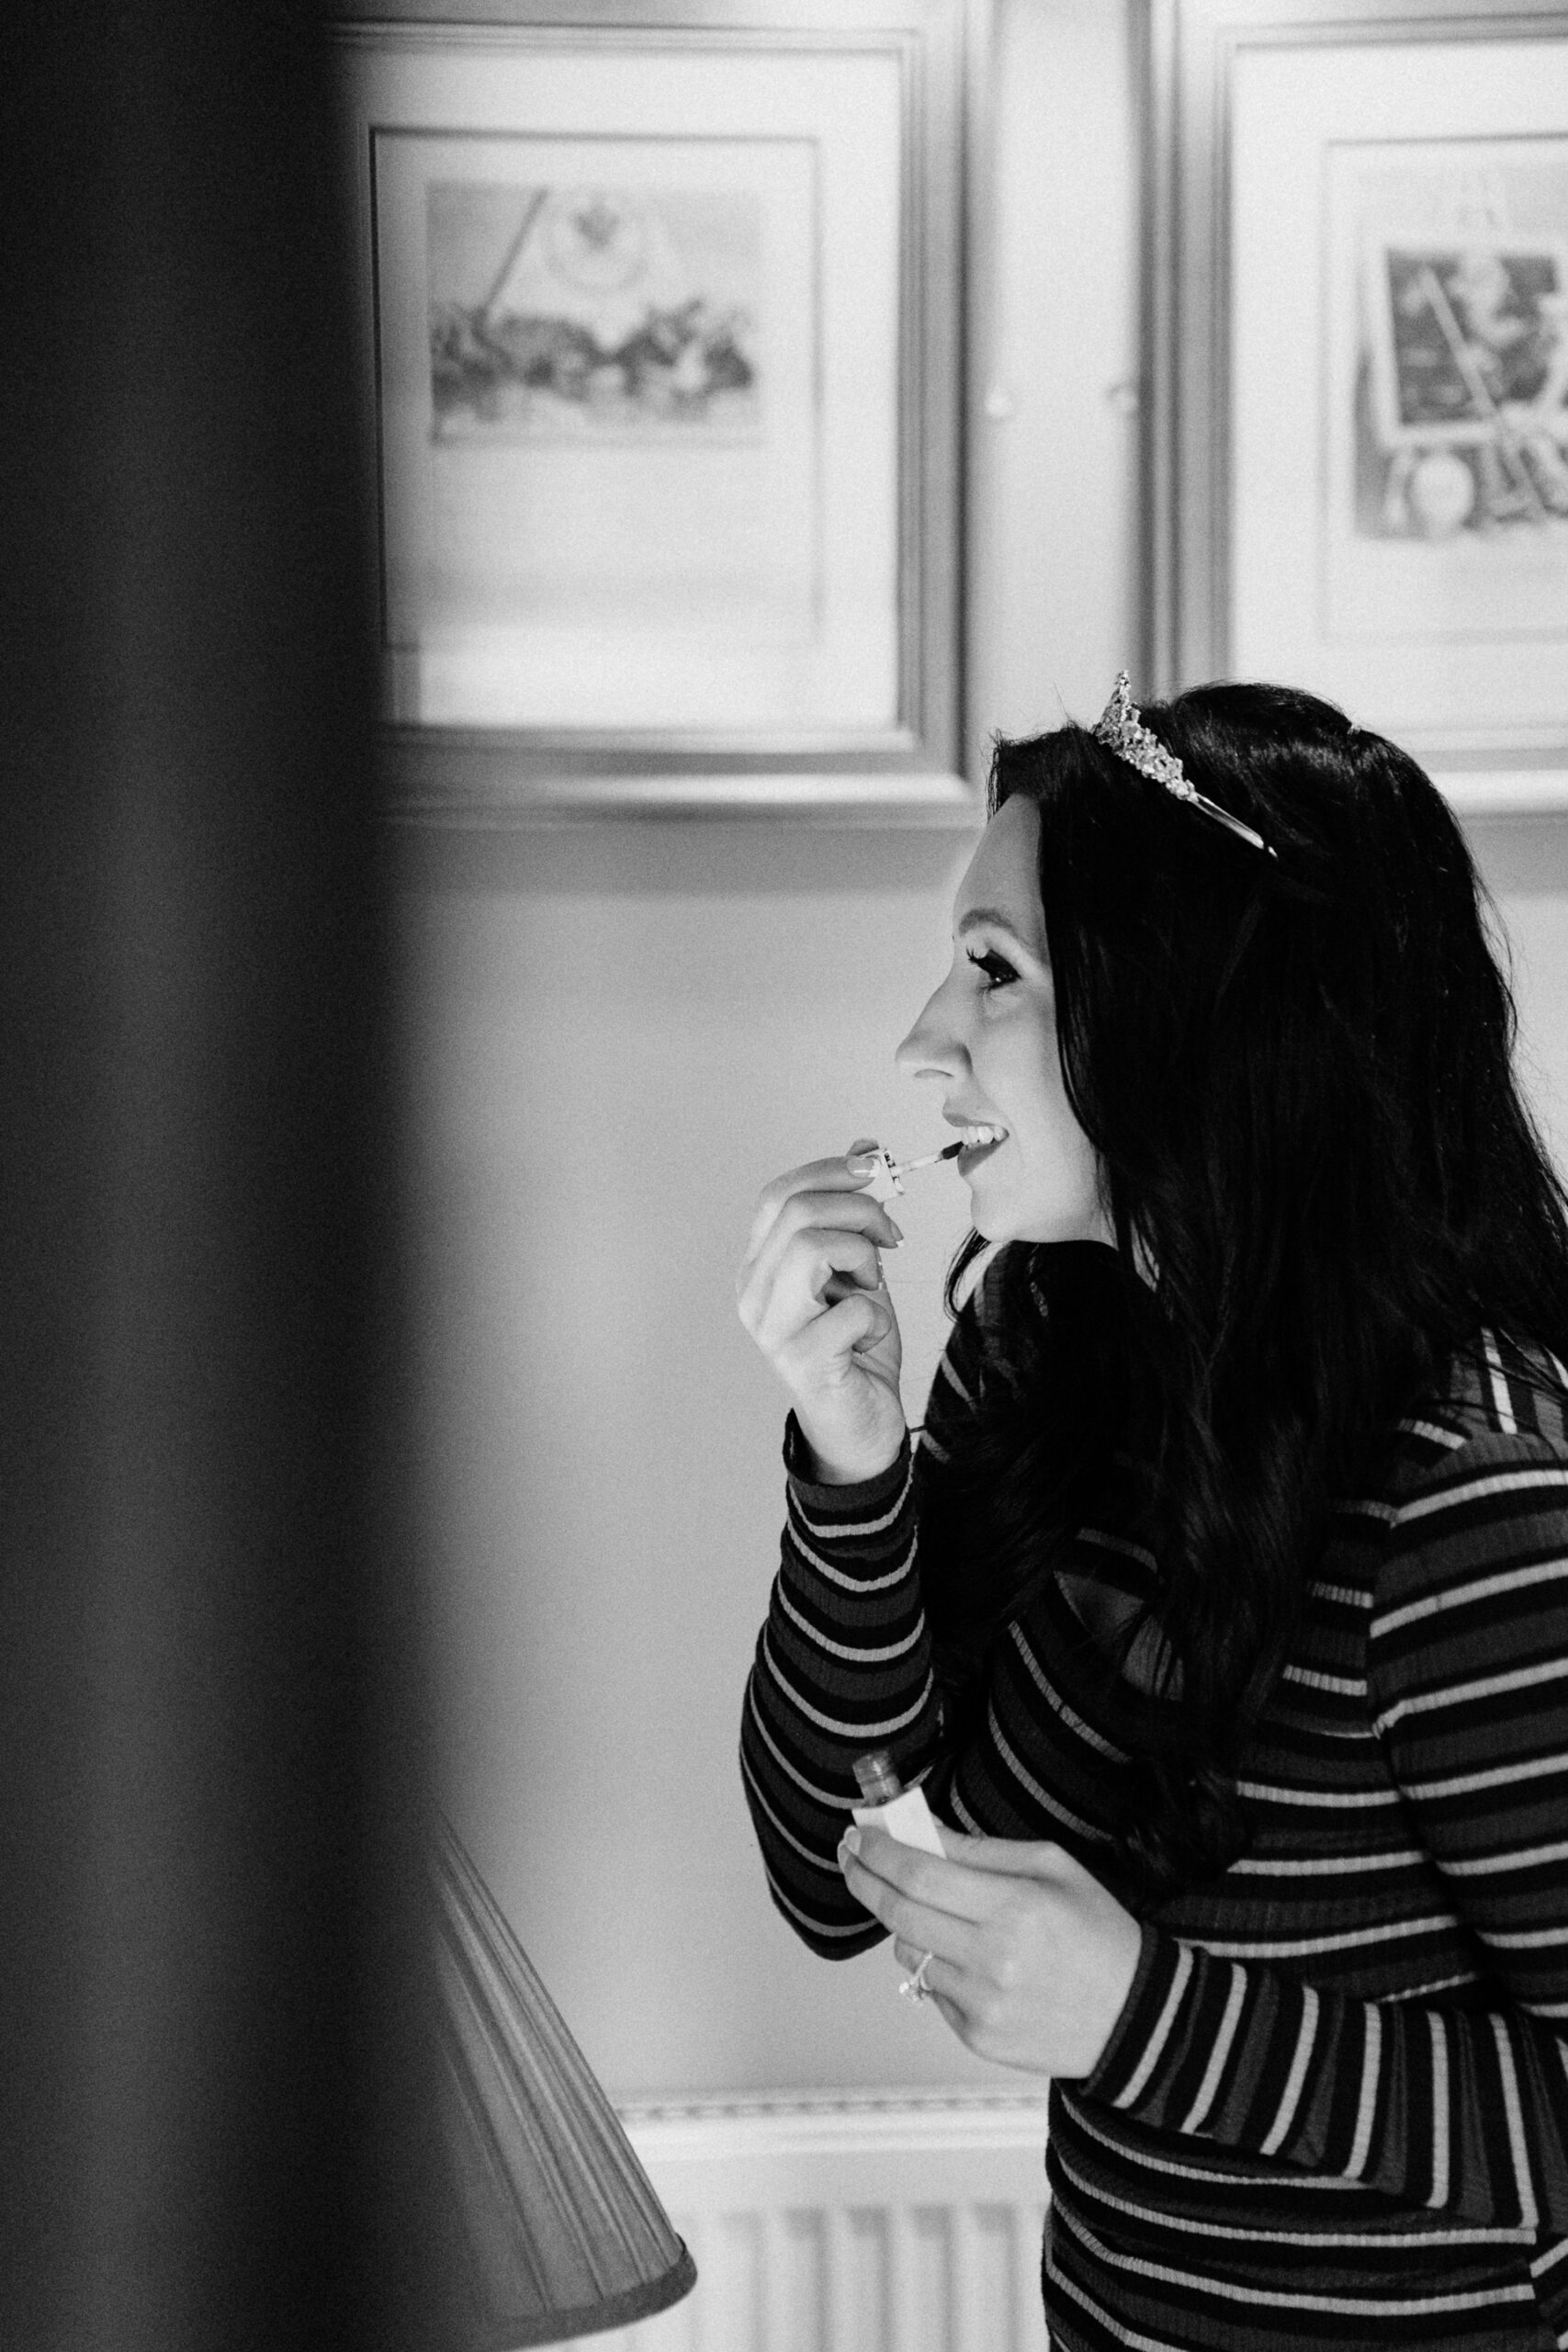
660	316
1359	316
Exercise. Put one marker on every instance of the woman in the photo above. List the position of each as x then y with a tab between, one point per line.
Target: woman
1222	1608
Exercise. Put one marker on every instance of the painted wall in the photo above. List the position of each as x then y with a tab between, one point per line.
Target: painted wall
616	1035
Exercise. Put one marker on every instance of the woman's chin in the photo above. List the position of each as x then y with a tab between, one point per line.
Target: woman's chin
992	1217
992	1223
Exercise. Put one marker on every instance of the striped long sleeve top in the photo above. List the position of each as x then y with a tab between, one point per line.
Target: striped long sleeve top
1334	2106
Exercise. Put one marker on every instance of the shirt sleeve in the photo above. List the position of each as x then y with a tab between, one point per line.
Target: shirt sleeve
1457	2105
843	1664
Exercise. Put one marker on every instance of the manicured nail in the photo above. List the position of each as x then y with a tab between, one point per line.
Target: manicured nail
863	1161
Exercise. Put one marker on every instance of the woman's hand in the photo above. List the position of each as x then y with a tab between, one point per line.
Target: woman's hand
810	1293
1032	1960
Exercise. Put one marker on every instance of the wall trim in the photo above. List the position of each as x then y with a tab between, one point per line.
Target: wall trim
833	2122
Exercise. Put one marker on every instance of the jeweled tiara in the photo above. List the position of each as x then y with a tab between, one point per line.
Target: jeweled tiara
1120	727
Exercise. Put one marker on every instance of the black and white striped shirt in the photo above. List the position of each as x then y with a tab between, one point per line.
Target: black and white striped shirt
1335	2107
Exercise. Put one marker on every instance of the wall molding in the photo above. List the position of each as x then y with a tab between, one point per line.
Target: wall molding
834	2122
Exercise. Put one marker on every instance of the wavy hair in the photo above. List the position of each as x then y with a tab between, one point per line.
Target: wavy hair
1297	1073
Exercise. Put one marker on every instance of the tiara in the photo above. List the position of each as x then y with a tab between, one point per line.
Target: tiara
1120	727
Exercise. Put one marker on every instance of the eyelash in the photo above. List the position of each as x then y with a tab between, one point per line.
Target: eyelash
999	972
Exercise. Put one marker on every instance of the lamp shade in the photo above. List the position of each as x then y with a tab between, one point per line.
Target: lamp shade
559	2230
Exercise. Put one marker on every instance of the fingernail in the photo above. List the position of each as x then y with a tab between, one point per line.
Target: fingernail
861	1162
850	1842
899	1231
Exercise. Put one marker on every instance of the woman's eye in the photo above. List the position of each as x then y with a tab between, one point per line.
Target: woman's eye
998	970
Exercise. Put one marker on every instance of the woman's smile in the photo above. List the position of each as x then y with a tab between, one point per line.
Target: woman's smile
973	1156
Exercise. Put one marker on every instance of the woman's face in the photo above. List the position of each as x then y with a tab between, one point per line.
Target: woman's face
988	1038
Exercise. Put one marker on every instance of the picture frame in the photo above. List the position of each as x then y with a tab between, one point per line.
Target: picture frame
1357	314
662	318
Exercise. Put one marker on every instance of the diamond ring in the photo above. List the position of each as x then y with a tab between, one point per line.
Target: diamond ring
915	1988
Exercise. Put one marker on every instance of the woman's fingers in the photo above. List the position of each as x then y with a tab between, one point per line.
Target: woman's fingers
813	1176
950	1883
818	1266
1012	1857
810	1293
821	1191
1032	1966
820	1210
928	1929
941	1979
815	1239
785	1283
811	1357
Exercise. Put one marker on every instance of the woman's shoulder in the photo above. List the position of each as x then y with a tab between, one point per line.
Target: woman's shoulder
1492	1425
1475	1516
1499	1387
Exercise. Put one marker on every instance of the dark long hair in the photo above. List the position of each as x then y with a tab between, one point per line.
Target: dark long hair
1297	1073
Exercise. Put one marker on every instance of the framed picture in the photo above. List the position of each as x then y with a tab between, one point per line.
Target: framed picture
661	317
1359	298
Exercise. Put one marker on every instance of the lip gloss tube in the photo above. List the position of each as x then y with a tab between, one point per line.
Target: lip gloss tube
889	1174
889	1806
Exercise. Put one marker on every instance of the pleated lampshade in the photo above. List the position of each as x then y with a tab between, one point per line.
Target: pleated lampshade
558	2226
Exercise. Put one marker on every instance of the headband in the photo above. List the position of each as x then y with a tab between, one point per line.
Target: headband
1120	727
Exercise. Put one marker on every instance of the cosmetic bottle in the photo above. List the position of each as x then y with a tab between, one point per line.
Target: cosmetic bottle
889	1806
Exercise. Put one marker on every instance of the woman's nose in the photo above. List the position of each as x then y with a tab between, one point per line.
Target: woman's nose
931	1045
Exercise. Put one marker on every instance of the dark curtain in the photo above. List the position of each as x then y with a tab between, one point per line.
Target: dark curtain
210	2003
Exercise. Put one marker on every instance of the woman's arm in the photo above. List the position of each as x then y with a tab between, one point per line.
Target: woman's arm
843	1664
1461	2109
